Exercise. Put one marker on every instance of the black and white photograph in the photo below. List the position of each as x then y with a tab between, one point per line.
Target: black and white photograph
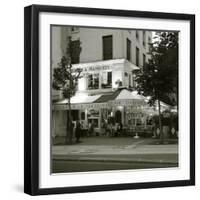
114	99
109	100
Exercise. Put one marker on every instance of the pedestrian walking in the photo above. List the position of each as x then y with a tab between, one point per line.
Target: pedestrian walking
116	129
119	129
78	131
104	127
91	128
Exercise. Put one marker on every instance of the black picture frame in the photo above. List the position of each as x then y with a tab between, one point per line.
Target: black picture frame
31	98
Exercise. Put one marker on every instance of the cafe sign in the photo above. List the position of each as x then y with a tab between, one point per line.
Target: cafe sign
131	104
127	102
80	106
96	68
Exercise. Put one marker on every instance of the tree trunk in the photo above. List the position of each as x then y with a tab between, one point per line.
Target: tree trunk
69	130
160	124
70	121
67	127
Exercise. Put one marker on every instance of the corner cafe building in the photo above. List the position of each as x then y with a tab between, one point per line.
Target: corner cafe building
100	98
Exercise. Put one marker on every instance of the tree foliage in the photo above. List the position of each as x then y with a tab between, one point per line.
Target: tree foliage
159	77
65	77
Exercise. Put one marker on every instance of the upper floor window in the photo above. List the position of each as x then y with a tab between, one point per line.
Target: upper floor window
149	42
137	56
128	49
137	34
93	81
75	51
107	47
106	80
144	60
144	38
149	39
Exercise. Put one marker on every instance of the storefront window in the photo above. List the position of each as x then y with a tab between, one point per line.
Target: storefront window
138	121
94	122
104	114
93	117
135	119
82	115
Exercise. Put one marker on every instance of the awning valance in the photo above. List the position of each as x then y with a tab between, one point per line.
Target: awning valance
120	97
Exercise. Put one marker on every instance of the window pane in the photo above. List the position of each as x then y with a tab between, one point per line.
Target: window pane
144	59
107	47
144	38
93	81
137	34
96	81
137	56
75	51
90	81
106	80
110	78
128	49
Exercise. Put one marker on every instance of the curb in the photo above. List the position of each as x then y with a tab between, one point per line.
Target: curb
115	160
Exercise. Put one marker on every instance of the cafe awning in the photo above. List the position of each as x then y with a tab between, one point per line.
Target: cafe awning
123	97
79	101
120	97
80	98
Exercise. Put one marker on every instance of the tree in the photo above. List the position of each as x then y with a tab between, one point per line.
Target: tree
65	79
159	77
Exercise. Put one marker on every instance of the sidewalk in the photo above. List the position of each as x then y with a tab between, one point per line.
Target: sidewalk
119	149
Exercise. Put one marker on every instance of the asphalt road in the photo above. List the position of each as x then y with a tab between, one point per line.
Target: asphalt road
97	154
62	166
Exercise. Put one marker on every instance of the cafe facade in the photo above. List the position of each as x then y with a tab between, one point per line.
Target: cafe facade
109	95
